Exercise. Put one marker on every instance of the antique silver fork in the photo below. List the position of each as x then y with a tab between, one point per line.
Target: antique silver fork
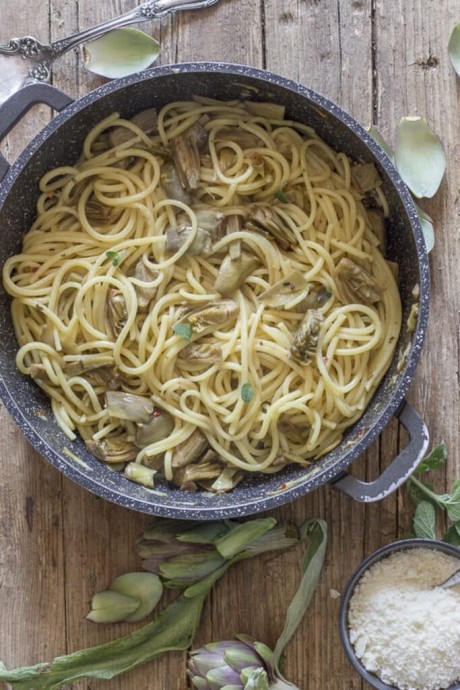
26	60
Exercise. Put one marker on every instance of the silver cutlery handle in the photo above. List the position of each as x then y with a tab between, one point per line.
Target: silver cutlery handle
153	9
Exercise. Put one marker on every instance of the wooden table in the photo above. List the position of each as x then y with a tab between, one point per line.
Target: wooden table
380	60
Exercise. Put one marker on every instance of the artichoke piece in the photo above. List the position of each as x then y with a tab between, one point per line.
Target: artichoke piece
211	220
196	472
112	450
306	337
202	353
233	273
233	224
247	140
290	289
130	407
186	150
226	481
215	314
38	373
94	371
160	426
377	224
314	300
146	588
172	186
146	120
116	311
190	450
365	177
140	474
272	111
263	219
145	293
355	284
97	213
295	433
178	236
111	607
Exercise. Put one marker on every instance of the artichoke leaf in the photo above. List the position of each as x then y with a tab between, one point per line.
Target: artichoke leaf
454	48
355	284
113	450
140	474
190	450
215	314
202	353
128	406
234	272
306	337
419	156
159	426
120	52
286	292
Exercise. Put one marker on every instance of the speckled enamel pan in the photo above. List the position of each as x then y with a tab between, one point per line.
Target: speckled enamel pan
59	143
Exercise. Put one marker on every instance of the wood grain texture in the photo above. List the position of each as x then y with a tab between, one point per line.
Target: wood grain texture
59	544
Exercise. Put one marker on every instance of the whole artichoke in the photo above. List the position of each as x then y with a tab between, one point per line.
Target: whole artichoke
240	664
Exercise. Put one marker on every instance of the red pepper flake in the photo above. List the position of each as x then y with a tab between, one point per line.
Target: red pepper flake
156	413
283	486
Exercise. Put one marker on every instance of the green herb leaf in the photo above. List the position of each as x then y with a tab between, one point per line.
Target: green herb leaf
419	156
435	460
120	52
425	520
183	330
115	256
281	196
453	48
234	542
452	536
247	392
316	532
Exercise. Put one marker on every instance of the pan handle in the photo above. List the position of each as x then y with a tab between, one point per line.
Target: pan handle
20	102
400	469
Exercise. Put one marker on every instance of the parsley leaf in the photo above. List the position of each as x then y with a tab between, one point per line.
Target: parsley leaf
183	330
247	392
115	256
281	196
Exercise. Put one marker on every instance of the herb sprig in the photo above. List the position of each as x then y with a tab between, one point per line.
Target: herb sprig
430	505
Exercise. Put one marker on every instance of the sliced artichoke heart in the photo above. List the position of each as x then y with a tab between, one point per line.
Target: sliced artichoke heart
306	337
160	426
145	293
130	407
287	292
263	219
202	353
176	237
234	272
113	450
365	177
190	450
215	314
355	284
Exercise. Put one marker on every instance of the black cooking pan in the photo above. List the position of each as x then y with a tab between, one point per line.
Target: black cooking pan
60	143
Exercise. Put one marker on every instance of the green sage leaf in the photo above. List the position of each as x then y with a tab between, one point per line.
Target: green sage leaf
281	196
247	393
315	531
183	330
173	630
114	256
425	521
120	52
453	48
419	156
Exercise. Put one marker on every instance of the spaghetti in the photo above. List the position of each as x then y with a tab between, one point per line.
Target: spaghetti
204	293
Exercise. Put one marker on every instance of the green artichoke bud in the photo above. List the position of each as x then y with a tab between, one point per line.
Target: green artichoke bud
240	664
184	553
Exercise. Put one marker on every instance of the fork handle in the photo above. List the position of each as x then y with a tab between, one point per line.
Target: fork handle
153	9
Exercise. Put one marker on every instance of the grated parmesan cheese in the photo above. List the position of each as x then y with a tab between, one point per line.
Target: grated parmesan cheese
404	629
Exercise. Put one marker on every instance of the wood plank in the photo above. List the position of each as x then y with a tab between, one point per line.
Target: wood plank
60	544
